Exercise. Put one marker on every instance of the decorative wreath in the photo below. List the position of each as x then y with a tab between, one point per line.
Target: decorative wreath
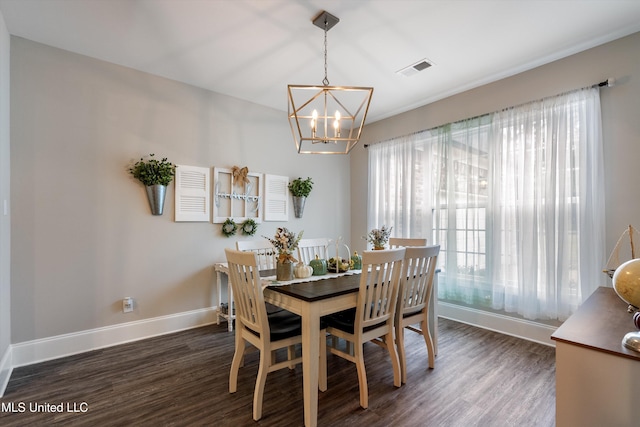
229	227
249	227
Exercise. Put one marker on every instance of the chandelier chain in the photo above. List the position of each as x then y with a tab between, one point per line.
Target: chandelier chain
326	80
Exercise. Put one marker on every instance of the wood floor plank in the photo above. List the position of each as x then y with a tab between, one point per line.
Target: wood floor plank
481	378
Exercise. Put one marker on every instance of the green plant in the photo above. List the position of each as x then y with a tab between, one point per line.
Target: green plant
378	237
301	187
153	171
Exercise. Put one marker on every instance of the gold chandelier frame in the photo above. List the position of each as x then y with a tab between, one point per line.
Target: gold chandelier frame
327	119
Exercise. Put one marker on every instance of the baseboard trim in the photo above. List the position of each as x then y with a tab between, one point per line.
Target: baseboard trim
520	328
30	352
5	370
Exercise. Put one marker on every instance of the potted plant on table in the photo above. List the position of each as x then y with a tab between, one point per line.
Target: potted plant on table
300	189
155	175
285	242
379	237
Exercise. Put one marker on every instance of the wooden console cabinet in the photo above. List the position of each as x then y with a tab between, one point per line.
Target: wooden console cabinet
597	378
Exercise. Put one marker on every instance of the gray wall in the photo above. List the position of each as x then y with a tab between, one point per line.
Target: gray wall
5	236
82	236
620	114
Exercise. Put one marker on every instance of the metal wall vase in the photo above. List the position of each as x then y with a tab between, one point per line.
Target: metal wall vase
156	195
298	206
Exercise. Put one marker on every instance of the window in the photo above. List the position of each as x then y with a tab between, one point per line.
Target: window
514	198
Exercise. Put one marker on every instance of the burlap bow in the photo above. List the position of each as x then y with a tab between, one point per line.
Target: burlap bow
240	175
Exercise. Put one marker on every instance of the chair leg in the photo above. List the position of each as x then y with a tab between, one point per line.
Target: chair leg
238	358
394	359
261	379
429	342
322	375
401	353
362	374
291	354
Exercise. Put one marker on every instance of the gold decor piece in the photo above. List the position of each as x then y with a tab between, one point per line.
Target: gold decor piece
240	175
327	119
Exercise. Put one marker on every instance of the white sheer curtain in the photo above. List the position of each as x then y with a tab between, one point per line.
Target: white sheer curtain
396	196
548	204
514	198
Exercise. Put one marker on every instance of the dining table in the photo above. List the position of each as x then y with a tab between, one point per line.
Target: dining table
311	298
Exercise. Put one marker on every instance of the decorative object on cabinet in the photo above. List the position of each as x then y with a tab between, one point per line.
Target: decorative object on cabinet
193	194
155	175
327	119
626	284
229	203
229	227
249	227
624	250
378	237
276	198
285	242
300	190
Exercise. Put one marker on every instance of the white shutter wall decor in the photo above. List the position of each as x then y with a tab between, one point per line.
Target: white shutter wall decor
192	194
276	198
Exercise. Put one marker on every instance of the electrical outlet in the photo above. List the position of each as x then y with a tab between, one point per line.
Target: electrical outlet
127	305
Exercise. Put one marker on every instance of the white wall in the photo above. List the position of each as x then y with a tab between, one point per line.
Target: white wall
621	128
82	234
5	198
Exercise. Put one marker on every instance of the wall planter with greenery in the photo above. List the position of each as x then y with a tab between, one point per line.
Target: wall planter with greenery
300	189
155	175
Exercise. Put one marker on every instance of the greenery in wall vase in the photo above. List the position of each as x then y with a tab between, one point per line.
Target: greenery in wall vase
153	171
155	175
300	189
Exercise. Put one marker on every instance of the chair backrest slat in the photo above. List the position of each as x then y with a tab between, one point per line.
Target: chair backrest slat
244	275
379	285
399	242
417	279
264	250
309	248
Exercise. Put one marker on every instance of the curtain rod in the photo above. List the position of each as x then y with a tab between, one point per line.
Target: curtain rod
610	82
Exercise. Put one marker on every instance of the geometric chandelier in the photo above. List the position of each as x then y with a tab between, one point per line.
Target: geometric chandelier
327	119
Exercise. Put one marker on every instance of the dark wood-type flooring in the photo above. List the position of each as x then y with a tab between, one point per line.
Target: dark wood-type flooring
481	378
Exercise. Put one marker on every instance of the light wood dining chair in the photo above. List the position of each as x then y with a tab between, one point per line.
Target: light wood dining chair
416	287
400	242
266	332
263	249
373	316
309	248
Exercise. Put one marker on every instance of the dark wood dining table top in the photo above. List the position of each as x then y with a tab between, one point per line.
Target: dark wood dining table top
317	289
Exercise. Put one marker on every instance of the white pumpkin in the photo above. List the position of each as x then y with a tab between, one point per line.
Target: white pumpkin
302	271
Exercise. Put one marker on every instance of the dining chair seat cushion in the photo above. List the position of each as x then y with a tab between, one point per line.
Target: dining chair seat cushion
412	312
282	324
272	308
345	321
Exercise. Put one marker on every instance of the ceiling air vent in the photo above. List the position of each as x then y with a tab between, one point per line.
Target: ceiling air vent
413	69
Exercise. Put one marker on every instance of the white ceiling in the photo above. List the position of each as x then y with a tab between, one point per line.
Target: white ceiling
252	49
